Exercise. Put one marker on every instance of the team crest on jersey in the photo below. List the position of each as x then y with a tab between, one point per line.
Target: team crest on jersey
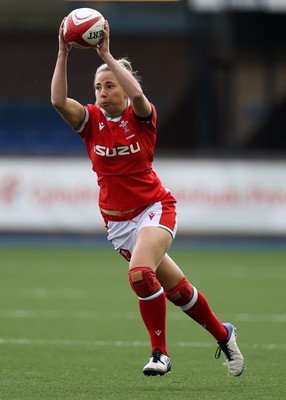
124	126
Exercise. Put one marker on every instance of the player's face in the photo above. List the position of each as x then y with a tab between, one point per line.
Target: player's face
109	94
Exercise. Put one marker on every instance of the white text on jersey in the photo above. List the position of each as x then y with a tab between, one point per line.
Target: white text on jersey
120	150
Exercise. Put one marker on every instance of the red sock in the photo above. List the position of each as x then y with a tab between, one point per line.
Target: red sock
153	313
195	305
203	315
152	304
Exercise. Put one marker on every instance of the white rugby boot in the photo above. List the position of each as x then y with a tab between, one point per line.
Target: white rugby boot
233	357
159	364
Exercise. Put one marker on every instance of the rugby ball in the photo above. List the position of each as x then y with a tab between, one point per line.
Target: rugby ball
83	28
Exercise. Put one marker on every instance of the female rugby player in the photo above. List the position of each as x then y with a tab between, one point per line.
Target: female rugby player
119	132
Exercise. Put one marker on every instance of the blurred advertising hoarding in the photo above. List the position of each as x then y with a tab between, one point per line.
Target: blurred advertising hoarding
238	5
214	197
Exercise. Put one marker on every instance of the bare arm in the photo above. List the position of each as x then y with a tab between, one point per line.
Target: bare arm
129	84
70	109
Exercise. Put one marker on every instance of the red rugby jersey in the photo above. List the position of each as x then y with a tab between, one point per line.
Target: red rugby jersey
121	152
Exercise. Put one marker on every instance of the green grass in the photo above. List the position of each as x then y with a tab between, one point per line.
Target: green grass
70	327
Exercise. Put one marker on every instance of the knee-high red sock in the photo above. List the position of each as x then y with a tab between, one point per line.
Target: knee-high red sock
195	305
203	315
152	305
153	313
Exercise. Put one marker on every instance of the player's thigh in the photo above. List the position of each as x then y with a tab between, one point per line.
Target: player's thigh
169	273
150	247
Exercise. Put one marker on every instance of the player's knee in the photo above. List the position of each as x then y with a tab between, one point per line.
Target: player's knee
143	281
184	295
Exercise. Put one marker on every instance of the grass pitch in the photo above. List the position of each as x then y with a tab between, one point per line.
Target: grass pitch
70	327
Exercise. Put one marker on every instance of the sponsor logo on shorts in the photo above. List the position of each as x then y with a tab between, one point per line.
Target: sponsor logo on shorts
152	215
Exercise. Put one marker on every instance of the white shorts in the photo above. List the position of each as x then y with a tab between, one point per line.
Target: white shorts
122	233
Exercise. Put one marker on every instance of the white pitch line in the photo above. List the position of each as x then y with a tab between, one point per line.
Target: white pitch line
130	315
279	318
50	314
120	343
43	293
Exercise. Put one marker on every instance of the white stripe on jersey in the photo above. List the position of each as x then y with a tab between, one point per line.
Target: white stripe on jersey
84	121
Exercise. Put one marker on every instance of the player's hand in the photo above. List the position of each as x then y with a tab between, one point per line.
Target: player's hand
103	48
64	47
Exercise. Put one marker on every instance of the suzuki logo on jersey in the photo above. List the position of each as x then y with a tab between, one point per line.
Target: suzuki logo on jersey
120	150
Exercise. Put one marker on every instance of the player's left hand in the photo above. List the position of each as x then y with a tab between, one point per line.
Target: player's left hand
103	47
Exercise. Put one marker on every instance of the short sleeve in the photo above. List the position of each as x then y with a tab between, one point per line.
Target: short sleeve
82	125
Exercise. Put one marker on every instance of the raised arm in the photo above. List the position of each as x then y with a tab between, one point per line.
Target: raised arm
129	84
71	110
